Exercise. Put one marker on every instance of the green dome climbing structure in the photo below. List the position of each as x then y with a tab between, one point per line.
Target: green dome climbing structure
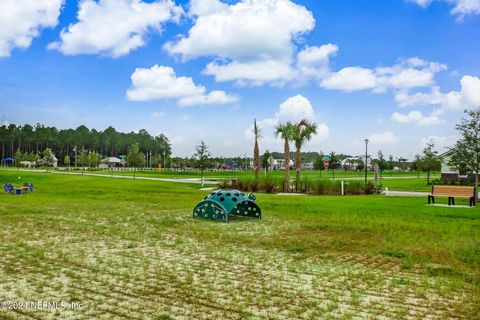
227	203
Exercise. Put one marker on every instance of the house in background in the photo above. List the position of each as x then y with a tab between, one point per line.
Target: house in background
278	164
307	165
351	163
452	173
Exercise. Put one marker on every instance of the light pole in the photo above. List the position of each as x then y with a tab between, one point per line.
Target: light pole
164	157
75	149
366	159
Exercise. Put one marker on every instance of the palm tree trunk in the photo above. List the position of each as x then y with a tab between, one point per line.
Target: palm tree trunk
287	164
256	161
298	165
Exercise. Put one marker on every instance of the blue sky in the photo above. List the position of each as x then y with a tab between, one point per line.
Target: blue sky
396	72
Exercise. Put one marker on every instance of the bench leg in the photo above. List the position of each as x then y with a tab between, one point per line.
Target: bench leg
429	199
449	201
453	201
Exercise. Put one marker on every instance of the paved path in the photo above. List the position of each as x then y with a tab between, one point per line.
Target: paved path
180	180
392	193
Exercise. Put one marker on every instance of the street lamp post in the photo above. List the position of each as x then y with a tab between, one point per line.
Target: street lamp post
75	149
366	159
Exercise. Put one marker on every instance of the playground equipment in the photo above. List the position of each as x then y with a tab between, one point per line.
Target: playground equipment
11	189
227	203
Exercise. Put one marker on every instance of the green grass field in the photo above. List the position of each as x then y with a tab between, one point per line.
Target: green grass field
129	249
401	181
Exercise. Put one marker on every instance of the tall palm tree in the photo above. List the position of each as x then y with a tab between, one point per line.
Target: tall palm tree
286	131
256	152
303	133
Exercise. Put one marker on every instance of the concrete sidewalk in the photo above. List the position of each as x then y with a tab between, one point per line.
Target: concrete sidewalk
180	180
393	193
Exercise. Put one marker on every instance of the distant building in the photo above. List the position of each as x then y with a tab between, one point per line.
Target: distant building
44	162
351	163
308	165
452	173
278	164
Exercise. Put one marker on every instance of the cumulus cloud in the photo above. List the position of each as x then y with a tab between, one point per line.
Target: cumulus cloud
292	109
442	143
461	8
467	97
161	82
252	40
114	27
383	138
350	79
421	3
417	117
405	75
295	109
22	20
313	62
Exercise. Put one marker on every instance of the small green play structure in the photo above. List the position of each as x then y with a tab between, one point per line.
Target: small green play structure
226	204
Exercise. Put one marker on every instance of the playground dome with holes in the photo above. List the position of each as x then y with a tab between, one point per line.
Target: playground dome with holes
225	204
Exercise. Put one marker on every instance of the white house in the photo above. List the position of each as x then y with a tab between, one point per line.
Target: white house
278	164
350	163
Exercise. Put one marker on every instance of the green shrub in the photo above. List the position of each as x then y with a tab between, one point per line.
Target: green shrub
248	184
370	188
353	187
321	187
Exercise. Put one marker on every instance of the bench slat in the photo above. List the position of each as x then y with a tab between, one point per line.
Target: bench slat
453	191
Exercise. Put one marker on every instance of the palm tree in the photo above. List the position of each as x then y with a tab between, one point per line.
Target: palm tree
287	132
303	133
256	152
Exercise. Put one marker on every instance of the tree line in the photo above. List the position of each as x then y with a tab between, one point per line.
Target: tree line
30	142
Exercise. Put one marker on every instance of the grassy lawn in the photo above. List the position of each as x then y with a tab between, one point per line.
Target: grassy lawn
130	249
401	181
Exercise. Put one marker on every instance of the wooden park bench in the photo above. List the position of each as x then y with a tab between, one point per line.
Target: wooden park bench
452	192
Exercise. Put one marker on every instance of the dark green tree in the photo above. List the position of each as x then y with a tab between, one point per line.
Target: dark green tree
429	159
202	155
266	160
467	149
135	157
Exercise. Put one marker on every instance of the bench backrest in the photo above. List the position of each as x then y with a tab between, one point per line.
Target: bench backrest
453	191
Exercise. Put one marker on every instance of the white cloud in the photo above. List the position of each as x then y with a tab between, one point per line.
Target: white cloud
417	117
313	62
252	40
292	109
350	79
383	138
467	97
466	7
214	97
462	8
114	27
22	20
161	82
422	3
256	72
295	109
405	75
442	143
